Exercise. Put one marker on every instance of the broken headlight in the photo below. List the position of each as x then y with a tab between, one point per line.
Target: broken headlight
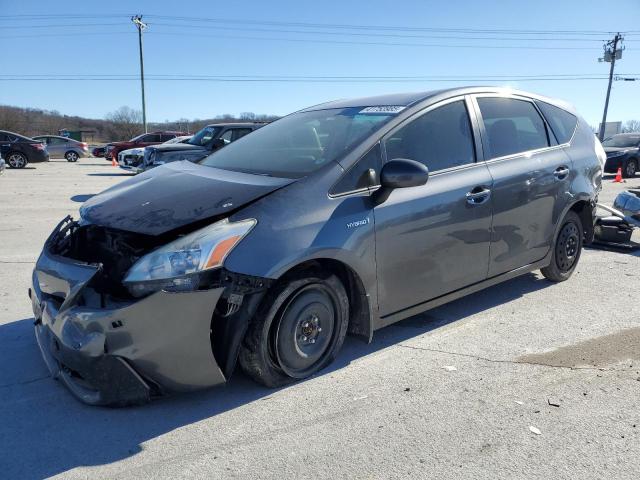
177	266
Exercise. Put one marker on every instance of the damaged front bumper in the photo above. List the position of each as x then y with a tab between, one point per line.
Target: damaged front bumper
121	352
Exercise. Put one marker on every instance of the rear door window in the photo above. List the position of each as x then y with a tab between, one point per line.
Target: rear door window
512	126
562	122
440	139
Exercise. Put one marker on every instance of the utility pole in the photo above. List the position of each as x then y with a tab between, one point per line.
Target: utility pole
140	25
611	52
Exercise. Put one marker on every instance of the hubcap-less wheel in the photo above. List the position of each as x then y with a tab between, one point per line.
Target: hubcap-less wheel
72	157
17	160
567	246
305	333
630	170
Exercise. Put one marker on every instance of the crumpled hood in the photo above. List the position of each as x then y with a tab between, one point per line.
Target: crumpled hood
175	195
133	151
176	147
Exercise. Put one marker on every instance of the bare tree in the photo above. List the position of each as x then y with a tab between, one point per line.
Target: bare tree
248	116
127	122
631	126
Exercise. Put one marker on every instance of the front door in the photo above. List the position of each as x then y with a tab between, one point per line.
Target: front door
530	177
434	239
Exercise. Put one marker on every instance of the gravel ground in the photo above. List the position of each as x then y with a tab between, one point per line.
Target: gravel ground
527	379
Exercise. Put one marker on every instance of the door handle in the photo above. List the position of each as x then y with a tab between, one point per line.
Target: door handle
561	173
478	196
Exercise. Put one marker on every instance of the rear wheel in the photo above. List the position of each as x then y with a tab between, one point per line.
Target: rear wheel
17	160
567	249
297	331
630	168
71	156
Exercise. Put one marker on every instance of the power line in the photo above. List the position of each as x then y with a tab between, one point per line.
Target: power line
376	34
384	27
384	44
318	25
321	41
306	80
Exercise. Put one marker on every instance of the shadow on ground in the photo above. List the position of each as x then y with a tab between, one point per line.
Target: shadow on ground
81	198
47	432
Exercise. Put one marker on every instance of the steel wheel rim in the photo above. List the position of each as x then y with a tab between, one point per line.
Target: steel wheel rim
306	331
631	168
567	247
72	156
16	160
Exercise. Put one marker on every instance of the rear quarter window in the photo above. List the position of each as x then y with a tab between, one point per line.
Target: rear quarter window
562	123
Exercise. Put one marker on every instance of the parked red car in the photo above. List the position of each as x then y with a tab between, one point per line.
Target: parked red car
154	138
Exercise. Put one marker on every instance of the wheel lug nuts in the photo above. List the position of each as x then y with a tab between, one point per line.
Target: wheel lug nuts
319	329
313	340
304	339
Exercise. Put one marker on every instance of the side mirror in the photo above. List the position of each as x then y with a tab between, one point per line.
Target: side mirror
402	173
399	173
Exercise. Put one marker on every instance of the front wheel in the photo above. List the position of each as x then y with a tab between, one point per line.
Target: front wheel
71	156
567	249
297	331
630	169
17	160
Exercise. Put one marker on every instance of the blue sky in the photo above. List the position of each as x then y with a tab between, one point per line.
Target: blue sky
106	44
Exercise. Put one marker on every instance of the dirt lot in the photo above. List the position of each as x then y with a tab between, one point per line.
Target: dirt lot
451	393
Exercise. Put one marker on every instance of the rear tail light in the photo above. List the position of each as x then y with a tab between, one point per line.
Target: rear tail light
38	146
84	145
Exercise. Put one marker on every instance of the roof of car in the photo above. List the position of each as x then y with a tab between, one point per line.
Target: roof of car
408	99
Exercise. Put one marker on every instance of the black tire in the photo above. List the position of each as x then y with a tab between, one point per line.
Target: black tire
566	249
17	160
71	156
298	329
630	169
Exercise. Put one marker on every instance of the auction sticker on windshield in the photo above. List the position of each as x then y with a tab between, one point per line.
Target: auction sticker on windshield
383	109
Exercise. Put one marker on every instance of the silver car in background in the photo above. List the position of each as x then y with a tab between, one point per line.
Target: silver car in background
63	147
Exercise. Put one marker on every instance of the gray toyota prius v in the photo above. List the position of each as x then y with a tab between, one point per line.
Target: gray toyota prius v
338	219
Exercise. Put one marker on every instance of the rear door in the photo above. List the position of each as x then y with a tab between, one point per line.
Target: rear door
435	238
530	180
57	147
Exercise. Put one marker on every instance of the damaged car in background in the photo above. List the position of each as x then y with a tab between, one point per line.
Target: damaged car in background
204	142
131	160
341	218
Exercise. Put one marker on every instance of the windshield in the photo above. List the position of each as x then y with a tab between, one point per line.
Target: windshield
204	136
622	141
137	137
301	143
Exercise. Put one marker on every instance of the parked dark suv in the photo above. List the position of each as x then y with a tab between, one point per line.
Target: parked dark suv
341	218
623	151
209	139
112	149
19	150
